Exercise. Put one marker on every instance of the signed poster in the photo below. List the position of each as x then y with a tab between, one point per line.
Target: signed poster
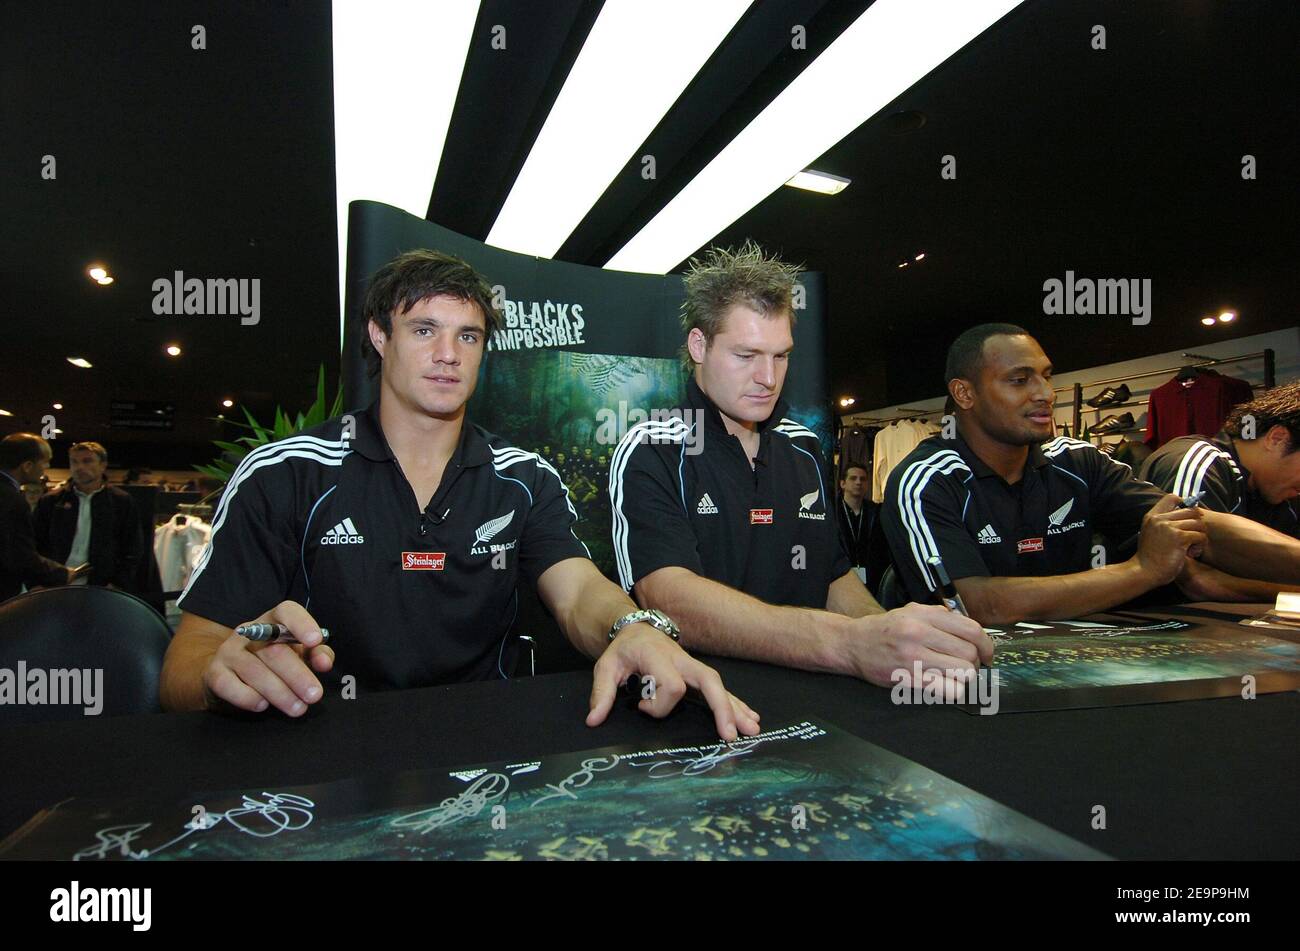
1064	664
805	791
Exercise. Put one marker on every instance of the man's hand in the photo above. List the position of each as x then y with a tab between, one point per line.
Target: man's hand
940	639
643	649
1169	537
251	676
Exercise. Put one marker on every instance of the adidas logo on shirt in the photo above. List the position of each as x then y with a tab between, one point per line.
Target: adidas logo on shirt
987	536
706	506
344	533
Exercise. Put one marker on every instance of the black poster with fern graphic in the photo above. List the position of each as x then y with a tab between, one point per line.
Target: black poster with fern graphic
584	353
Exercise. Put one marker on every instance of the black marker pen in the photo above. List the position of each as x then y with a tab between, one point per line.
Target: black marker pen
947	590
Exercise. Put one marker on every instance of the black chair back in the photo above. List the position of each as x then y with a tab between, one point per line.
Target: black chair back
56	634
892	593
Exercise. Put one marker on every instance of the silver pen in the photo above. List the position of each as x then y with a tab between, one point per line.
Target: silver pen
274	634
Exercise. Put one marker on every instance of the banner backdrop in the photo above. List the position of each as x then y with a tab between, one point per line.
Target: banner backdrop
584	353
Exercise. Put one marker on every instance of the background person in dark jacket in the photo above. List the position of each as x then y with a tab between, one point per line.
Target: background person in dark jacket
24	457
88	520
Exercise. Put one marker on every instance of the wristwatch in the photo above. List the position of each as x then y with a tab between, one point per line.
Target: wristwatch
653	618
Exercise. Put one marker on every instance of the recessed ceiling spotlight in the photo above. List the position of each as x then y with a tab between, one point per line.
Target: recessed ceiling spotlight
1208	321
847	401
905	264
920	256
173	350
57	405
821	182
227	403
901	123
80	362
98	273
1227	316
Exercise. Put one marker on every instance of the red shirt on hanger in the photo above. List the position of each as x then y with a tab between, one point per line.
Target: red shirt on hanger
1195	407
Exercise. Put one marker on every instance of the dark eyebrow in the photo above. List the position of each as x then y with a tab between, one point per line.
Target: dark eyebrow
430	322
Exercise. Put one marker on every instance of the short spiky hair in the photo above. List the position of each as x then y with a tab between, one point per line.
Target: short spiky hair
1279	406
725	277
415	276
966	355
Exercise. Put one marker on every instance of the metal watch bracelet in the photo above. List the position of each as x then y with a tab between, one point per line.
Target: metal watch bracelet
652	617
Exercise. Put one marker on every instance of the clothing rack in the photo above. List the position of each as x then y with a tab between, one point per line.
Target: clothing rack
1266	355
886	420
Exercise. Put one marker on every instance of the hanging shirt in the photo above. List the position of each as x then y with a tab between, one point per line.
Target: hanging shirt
1195	407
893	443
178	545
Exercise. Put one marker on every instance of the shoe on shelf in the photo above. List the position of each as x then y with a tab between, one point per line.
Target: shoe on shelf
1109	448
1113	424
1110	396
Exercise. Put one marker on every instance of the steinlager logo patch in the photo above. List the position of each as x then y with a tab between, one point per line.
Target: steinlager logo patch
423	560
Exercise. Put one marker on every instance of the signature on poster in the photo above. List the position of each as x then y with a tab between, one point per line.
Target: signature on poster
578	779
698	765
487	788
279	813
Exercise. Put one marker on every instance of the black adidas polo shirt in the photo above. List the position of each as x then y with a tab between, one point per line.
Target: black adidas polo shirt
941	499
1191	464
768	530
411	598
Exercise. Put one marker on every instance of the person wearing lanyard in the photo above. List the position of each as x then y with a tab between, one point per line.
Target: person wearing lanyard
403	529
721	516
1011	510
855	522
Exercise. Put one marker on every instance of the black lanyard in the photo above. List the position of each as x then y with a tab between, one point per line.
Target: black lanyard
856	533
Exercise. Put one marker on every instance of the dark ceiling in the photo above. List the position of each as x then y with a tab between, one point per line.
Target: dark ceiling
1122	163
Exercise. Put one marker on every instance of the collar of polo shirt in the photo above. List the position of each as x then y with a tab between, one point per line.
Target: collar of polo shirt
696	398
369	441
1036	459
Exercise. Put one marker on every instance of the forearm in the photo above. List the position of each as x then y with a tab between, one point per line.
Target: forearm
592	613
1247	549
847	595
180	688
1210	584
993	601
716	619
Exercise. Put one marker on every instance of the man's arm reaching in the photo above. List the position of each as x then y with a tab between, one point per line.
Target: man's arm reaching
716	619
1168	534
1245	548
585	605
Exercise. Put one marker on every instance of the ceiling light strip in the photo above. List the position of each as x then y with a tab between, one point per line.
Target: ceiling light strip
884	52
397	69
633	66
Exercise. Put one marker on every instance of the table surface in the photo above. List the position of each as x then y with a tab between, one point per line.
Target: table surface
1204	779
